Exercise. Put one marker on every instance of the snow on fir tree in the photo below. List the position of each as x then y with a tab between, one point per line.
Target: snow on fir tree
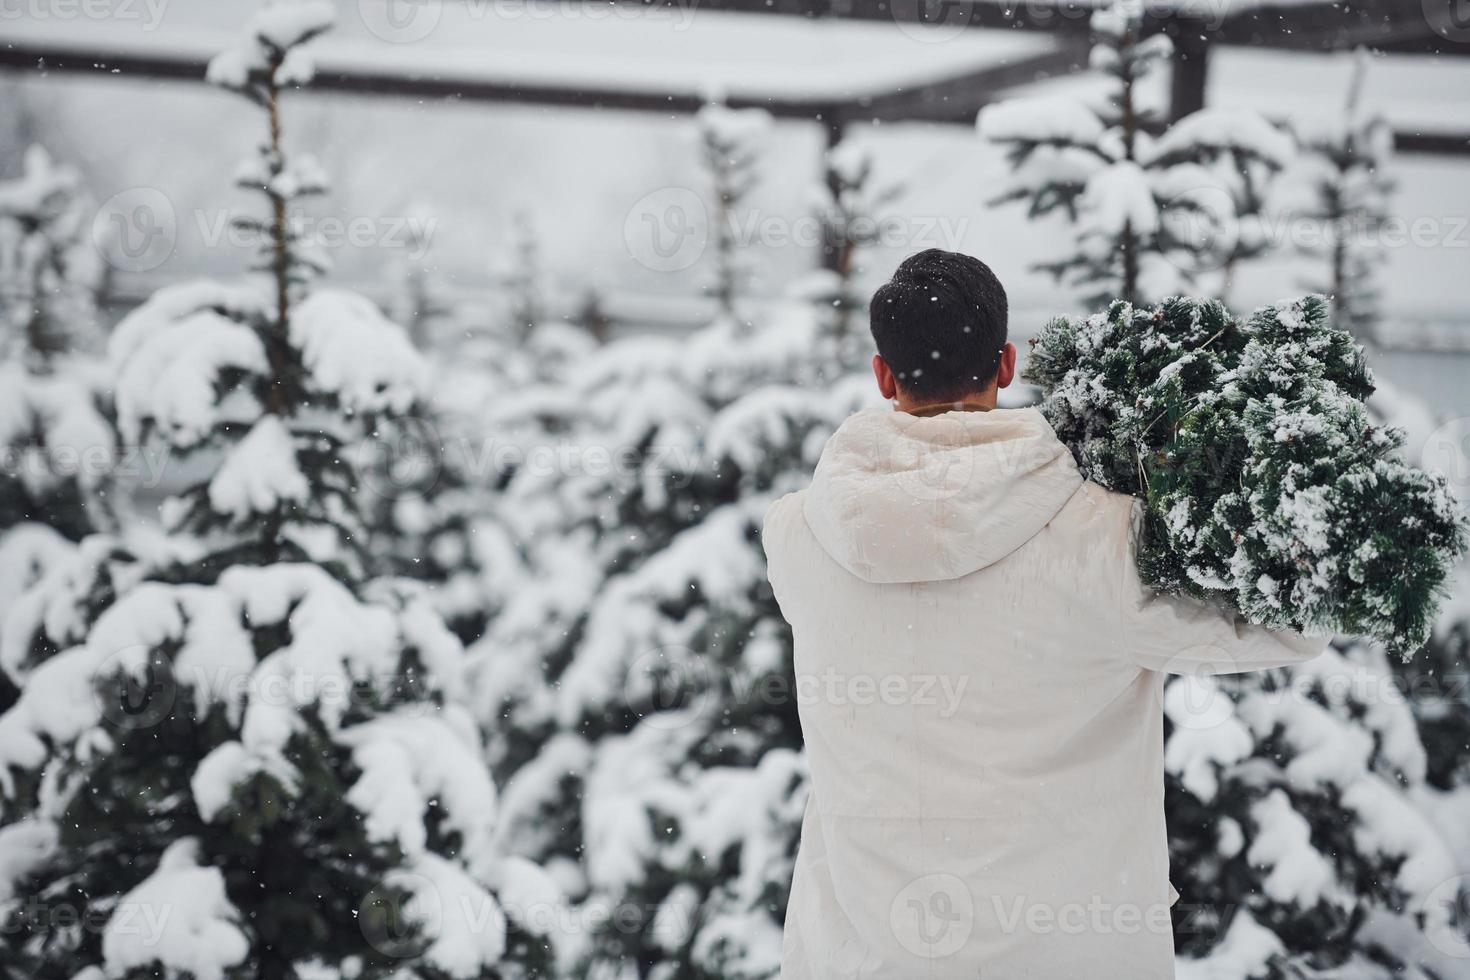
1337	194
1152	214
1266	484
524	281
1242	156
240	758
852	208
430	476
730	143
634	682
1301	835
418	300
50	273
1433	682
59	450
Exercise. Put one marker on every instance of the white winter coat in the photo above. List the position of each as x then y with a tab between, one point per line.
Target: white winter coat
980	690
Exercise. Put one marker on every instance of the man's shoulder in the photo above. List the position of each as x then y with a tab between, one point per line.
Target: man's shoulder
781	530
1095	508
783	511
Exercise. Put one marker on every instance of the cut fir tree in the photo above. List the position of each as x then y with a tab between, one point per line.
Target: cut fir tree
1266	483
237	759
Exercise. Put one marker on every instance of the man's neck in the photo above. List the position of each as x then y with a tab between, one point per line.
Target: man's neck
977	403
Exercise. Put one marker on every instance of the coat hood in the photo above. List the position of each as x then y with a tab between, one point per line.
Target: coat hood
905	498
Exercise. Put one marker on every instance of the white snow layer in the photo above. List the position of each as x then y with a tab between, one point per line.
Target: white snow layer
25	846
356	353
44	419
410	758
179	916
171	354
1041	119
276	30
1120	195
462	921
260	473
1241	130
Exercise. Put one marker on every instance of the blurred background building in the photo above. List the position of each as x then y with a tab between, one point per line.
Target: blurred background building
500	124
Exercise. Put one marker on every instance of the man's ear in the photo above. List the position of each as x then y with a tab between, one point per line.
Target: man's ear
887	383
1006	372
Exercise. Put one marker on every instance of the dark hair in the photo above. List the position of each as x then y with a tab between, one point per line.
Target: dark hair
940	323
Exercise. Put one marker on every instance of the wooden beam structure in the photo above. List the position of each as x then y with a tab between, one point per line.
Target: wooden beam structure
68	59
960	98
1401	26
951	100
1397	25
1191	63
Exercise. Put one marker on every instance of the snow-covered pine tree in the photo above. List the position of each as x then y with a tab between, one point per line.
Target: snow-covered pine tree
58	447
431	475
1225	221
50	274
246	762
419	302
1151	214
524	281
635	682
1299	835
429	480
421	511
1435	679
851	211
592	315
1339	190
730	146
417	488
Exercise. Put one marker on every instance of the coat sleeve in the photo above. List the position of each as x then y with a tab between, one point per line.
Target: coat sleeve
776	532
1178	635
